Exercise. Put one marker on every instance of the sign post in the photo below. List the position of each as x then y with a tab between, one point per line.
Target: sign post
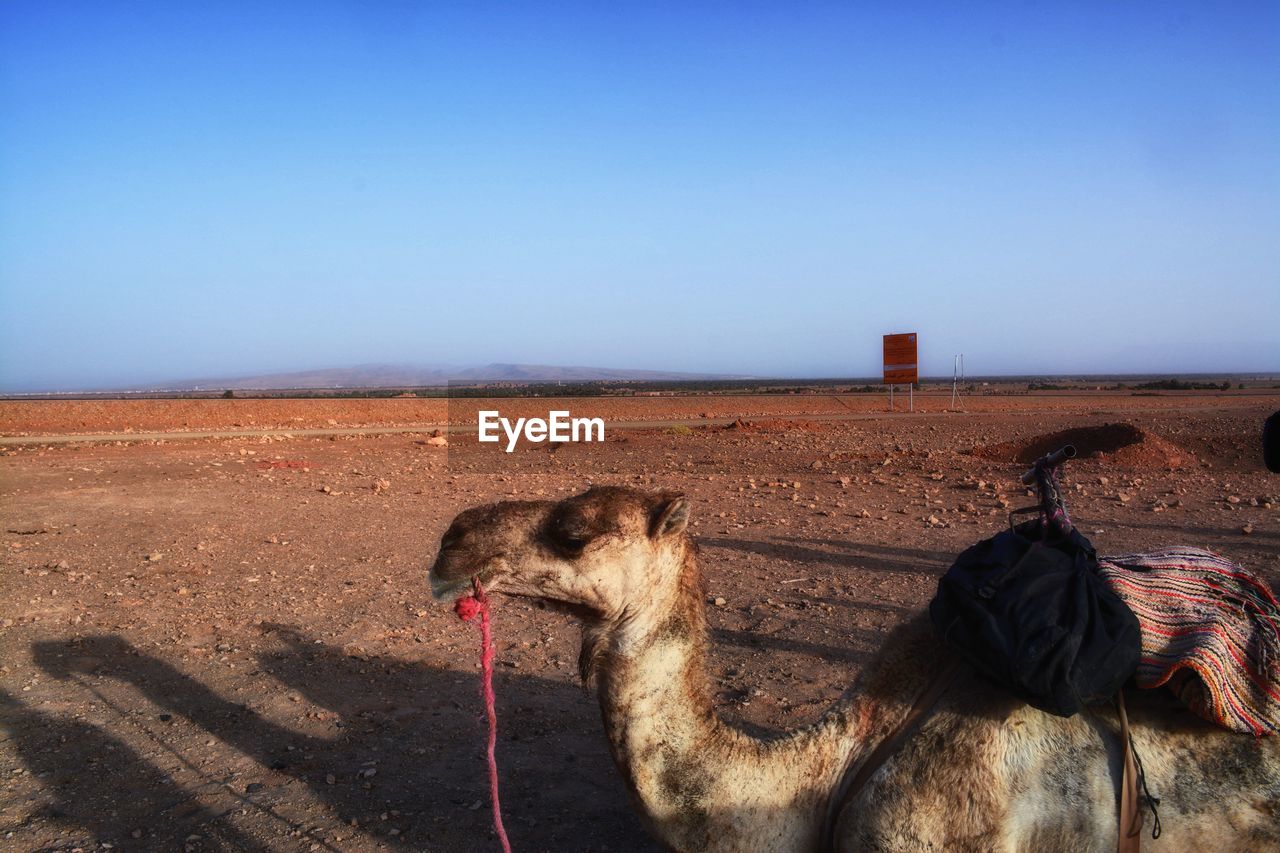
901	365
957	377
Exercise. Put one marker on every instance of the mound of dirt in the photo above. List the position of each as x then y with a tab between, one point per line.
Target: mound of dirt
1120	444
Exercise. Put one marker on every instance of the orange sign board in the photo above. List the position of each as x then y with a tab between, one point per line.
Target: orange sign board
900	359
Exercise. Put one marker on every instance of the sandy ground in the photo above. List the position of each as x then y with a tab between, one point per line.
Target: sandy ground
229	644
40	417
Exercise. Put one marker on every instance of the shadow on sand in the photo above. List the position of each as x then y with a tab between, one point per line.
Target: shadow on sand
842	554
421	725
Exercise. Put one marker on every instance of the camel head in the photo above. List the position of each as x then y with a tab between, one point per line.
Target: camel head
600	554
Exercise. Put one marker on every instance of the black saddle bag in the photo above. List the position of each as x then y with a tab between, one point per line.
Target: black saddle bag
1031	612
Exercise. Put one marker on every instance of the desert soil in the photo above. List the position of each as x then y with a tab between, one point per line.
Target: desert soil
42	417
229	643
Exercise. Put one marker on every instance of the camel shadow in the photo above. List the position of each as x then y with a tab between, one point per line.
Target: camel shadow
80	765
867	640
391	747
842	554
900	611
1256	551
1201	531
1262	538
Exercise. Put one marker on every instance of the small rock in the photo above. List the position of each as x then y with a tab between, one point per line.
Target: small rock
155	557
720	602
1247	529
330	779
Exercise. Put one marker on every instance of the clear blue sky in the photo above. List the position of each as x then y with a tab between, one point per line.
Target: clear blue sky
196	189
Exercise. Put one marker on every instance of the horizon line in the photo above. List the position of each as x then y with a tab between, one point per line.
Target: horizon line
1253	375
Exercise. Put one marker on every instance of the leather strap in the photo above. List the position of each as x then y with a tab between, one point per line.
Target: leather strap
1130	837
853	780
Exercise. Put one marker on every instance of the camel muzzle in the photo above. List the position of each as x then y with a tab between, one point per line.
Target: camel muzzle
480	544
452	574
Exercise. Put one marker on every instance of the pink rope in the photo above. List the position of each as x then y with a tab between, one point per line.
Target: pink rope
467	607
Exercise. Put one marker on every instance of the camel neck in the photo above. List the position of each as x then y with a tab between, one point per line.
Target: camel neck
699	783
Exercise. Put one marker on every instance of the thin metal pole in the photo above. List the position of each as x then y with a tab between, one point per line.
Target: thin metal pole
955	375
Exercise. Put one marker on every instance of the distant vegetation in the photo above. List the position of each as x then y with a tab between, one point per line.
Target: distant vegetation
664	388
1179	385
1153	385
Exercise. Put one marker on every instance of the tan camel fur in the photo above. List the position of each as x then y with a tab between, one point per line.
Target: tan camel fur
982	772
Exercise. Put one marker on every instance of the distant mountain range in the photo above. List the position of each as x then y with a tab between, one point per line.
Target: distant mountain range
396	376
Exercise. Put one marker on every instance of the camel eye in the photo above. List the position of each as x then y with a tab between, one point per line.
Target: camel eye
569	538
573	544
450	538
570	533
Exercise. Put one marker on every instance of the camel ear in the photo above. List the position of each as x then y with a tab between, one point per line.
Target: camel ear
670	517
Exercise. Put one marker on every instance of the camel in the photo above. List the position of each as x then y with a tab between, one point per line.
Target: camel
981	771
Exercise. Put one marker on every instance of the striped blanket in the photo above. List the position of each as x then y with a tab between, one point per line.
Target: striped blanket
1210	631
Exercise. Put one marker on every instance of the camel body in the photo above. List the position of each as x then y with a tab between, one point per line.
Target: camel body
982	772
